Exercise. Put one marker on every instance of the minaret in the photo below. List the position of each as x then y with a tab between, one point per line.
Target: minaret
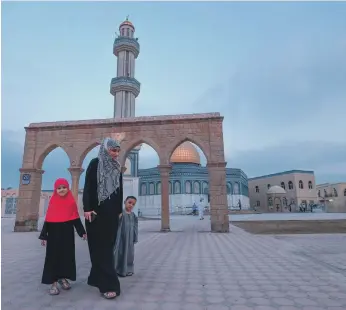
125	88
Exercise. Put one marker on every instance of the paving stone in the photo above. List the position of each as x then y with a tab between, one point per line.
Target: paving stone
191	271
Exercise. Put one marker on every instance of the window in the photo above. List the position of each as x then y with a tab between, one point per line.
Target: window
301	185
127	104
236	188
144	189
325	193
310	185
170	187
11	206
196	188
284	201
188	187
127	63
258	203
345	192
128	32
256	189
151	189
270	201
335	193
229	189
205	188
283	185
293	202
290	185
158	188
268	186
319	193
176	187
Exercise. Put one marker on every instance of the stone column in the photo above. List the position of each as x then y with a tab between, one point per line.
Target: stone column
164	172
28	203
218	197
75	175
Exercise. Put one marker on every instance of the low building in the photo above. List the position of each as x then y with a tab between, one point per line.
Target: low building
298	185
332	196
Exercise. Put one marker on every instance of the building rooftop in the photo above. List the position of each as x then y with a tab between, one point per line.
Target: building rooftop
281	173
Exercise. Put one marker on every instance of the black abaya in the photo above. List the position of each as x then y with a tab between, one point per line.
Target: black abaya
60	262
102	232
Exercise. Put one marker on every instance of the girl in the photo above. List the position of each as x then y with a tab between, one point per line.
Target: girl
58	234
127	237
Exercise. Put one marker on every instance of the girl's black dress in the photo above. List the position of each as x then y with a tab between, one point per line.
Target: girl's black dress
102	232
60	261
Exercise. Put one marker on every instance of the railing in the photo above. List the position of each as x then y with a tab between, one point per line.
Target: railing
126	80
126	40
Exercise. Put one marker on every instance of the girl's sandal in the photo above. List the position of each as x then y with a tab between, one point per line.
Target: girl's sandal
109	295
54	290
65	285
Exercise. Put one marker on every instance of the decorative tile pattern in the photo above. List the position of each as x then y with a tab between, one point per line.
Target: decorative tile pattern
186	269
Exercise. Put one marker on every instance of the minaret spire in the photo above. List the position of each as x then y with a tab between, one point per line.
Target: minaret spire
124	87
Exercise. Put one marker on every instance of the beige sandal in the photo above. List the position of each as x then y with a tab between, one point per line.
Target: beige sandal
54	290
109	295
65	285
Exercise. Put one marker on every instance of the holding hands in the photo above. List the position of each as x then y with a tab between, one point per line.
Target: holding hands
89	215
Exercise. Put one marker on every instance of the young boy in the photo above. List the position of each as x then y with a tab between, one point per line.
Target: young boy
126	239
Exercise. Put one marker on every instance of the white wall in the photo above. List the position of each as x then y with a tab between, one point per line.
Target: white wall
151	204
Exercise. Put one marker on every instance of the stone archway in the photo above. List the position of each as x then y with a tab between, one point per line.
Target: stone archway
162	133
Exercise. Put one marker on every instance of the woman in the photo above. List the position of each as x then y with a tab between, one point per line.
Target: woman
102	200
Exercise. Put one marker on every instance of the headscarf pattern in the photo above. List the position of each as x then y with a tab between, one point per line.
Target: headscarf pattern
108	170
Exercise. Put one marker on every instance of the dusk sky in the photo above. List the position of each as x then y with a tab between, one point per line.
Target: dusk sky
276	71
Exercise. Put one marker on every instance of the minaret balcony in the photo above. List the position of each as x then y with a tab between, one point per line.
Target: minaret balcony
125	84
125	44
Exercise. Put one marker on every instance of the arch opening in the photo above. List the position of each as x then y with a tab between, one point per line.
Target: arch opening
198	145
55	166
128	147
189	178
141	167
48	149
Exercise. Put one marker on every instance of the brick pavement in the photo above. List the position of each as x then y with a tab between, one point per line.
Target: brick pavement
191	268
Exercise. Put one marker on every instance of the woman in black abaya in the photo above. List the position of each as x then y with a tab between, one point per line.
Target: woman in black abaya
102	200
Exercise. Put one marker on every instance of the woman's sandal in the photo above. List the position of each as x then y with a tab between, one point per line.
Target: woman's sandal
65	285
130	274
109	295
54	290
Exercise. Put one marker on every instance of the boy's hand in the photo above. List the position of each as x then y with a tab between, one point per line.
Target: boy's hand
43	242
84	237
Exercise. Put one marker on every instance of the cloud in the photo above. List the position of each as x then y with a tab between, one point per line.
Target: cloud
293	89
328	160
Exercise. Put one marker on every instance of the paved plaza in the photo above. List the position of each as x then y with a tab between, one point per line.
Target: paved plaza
190	268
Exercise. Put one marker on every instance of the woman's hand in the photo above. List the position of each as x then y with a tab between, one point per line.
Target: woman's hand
87	215
84	237
43	242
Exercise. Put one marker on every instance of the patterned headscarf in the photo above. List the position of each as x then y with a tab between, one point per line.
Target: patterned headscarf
108	170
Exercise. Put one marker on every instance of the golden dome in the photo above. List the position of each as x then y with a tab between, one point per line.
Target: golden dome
126	23
186	153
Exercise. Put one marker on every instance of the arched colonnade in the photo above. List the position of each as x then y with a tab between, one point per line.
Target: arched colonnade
163	133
